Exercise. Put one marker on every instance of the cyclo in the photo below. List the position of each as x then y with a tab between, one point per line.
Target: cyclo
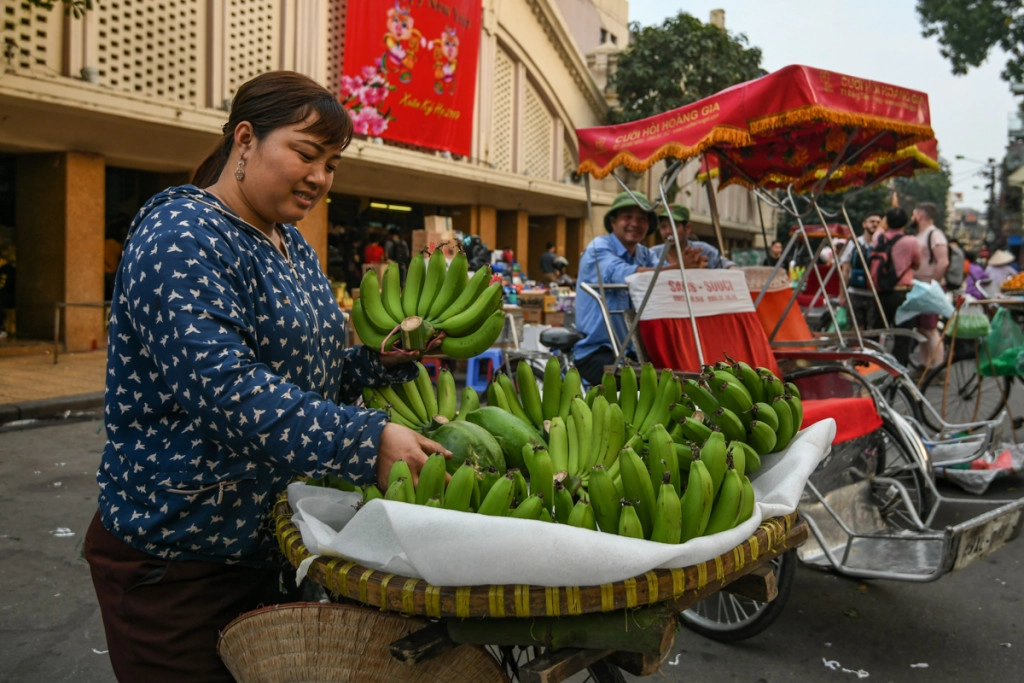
549	630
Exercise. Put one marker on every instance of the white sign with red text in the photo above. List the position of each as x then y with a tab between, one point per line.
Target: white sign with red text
712	292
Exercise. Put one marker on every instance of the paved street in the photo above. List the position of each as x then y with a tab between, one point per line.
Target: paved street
966	626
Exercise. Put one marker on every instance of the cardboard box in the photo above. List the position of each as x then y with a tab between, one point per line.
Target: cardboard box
533	316
430	238
379	267
550	304
554	318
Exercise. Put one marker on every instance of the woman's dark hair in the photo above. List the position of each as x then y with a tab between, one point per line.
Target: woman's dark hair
896	218
273	100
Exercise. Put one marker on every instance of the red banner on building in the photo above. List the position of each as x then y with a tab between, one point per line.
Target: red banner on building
410	70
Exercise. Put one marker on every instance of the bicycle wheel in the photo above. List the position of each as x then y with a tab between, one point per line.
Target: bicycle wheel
969	396
511	658
896	461
729	618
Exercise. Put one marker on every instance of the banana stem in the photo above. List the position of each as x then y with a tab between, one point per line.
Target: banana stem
416	333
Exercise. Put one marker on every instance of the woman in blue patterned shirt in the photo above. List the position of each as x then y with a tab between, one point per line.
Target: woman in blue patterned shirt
227	377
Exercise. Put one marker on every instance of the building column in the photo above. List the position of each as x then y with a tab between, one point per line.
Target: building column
314	228
514	232
60	228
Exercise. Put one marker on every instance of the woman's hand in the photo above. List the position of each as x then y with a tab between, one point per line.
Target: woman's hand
392	360
401	443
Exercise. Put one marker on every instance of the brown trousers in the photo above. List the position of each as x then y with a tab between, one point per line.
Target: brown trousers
162	618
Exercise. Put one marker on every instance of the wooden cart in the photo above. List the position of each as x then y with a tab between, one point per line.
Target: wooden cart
629	624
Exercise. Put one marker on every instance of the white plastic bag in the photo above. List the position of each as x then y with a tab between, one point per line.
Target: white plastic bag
924	298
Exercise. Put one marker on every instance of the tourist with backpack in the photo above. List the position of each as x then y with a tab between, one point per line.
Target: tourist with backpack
855	269
893	261
934	266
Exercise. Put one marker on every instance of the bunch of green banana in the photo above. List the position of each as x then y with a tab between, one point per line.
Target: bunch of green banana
437	298
418	405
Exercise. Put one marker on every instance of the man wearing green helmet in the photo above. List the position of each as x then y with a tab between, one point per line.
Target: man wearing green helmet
617	254
696	254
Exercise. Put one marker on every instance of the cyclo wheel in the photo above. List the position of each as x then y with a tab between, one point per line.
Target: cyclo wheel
511	658
896	461
969	396
730	618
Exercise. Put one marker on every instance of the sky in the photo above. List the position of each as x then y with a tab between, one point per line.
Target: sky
878	40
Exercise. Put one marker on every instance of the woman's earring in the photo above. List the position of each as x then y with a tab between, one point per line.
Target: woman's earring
240	170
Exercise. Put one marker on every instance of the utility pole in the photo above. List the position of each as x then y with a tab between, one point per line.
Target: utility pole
994	230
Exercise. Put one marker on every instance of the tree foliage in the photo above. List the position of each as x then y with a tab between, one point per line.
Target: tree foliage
967	31
676	63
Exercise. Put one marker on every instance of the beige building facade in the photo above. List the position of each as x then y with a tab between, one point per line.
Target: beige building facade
99	112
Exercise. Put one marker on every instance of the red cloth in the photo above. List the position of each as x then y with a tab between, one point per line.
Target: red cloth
669	341
855	417
805	297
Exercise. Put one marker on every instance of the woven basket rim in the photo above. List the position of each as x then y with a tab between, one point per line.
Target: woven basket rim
410	596
757	276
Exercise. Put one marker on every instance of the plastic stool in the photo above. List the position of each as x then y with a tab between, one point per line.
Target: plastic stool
480	369
433	366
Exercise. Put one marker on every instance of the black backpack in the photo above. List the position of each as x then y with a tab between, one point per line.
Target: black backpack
858	273
397	250
886	276
955	273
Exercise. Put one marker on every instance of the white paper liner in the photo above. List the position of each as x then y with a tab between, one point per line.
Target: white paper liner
448	548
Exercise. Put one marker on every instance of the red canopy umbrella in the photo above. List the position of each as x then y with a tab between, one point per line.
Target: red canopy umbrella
794	126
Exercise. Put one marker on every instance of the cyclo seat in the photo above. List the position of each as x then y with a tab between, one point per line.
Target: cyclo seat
560	338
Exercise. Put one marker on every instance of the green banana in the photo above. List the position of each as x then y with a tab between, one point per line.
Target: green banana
746	502
604	499
796	406
669	391
627	393
489	475
615	434
414	400
572	433
433	280
558	444
584	420
727	503
599	435
751	380
714	454
552	396
498	500
663	457
475	314
368	334
591	394
729	422
680	409
529	508
434	502
398	404
697	499
506	385
370	491
399	470
542	474
609	387
373	306
447	396
529	393
521	488
773	388
414	277
563	503
391	292
792	389
431	480
426	388
582	516
571	384
786	429
694	430
738	455
764	413
509	431
401	491
630	525
646	395
470	294
636	486
468	402
459	492
668	515
700	396
476	342
761	437
751	458
455	278
732	395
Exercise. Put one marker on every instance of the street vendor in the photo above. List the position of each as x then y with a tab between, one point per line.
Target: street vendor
227	378
617	254
696	254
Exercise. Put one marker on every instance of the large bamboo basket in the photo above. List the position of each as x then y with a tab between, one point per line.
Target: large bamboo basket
313	641
411	596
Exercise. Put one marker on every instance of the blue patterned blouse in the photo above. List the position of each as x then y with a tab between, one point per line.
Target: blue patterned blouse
227	376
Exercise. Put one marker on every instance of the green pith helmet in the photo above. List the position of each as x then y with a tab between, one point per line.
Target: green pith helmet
680	213
624	200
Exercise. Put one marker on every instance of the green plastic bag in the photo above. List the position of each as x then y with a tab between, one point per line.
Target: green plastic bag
970	323
997	355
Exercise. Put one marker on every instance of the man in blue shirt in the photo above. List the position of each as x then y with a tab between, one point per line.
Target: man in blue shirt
617	255
696	254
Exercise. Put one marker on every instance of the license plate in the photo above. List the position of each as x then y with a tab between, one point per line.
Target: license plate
977	542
